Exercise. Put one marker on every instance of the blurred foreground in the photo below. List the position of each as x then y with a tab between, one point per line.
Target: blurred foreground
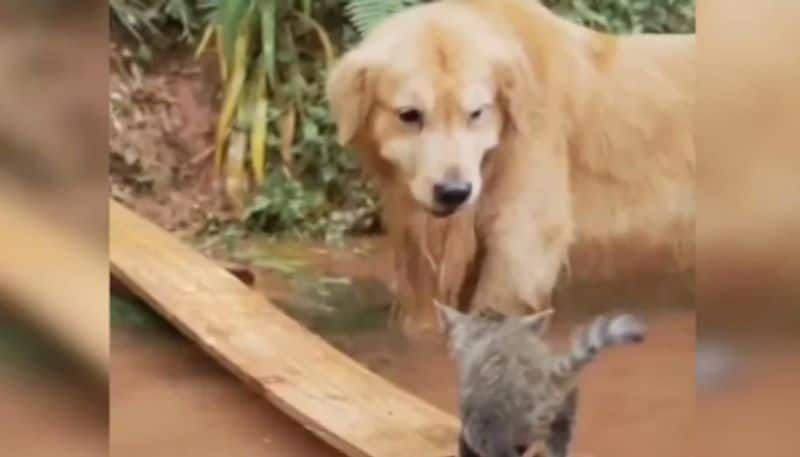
748	229
53	190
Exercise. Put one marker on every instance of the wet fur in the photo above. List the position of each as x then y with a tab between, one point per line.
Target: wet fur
594	167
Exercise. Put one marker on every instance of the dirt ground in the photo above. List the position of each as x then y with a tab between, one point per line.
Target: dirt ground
162	116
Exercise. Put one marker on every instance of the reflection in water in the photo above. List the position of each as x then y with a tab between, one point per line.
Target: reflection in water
715	365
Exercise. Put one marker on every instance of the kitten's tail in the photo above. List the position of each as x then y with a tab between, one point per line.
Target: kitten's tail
602	333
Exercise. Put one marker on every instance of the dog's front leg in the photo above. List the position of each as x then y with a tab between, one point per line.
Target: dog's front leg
524	229
520	268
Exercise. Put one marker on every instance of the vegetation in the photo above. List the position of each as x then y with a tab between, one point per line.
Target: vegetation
275	133
151	22
622	16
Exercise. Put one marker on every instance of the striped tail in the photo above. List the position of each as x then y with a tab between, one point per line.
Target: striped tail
602	333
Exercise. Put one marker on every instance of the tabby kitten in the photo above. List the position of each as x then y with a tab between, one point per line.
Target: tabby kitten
514	391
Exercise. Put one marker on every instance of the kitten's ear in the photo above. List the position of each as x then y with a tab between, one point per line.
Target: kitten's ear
539	322
448	316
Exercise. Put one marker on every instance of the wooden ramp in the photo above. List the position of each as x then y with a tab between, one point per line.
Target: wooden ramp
346	405
35	248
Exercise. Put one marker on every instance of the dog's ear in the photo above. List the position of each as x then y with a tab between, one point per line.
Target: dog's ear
517	88
350	91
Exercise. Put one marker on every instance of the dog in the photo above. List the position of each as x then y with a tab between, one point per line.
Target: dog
509	145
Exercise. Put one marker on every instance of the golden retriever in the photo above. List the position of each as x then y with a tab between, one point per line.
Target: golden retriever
507	143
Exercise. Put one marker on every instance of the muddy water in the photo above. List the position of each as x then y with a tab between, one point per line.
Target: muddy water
755	411
170	399
66	421
636	401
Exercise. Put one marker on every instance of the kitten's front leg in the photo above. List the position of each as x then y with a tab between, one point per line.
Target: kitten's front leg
535	450
561	428
463	448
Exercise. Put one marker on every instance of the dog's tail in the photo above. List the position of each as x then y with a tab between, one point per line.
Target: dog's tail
602	333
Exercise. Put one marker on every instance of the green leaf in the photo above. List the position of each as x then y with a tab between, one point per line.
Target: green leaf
258	129
310	131
233	90
588	13
269	18
323	36
234	14
367	14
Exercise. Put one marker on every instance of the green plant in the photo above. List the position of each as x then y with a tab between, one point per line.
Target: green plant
623	16
261	46
148	20
275	133
366	14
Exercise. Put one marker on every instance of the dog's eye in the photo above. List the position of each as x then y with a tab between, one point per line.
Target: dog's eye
410	116
475	115
478	113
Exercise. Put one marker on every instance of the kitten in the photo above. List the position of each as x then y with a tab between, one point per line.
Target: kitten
514	391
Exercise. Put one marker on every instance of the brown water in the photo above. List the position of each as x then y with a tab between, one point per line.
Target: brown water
169	399
756	411
48	417
635	400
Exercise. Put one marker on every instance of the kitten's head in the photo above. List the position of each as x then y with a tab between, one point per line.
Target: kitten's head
466	330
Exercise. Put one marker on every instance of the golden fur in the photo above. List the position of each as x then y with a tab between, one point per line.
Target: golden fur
582	156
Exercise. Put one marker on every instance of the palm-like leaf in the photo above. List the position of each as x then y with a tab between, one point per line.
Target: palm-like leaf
367	14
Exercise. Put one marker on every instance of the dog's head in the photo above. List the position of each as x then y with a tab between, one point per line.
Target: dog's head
428	96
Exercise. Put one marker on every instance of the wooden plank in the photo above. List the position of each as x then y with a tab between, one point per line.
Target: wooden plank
342	402
56	279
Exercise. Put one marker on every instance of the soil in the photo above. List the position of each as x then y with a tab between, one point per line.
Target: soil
162	133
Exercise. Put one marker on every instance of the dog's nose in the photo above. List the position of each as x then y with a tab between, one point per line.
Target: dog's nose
451	193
